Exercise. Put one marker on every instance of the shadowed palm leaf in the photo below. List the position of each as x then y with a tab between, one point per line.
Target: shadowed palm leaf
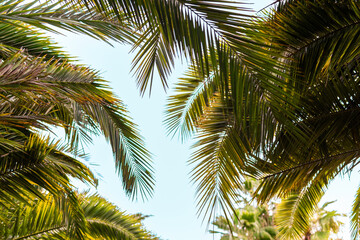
325	65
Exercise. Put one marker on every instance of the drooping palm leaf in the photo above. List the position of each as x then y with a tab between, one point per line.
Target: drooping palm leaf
192	95
74	97
230	131
200	31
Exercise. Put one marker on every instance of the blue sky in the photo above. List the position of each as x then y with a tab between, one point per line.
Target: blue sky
172	207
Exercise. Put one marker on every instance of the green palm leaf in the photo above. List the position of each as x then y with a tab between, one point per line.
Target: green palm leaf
355	217
54	219
293	214
38	164
66	17
74	97
185	108
200	31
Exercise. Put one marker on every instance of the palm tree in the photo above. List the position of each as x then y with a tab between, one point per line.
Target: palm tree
252	91
224	46
322	143
49	219
253	220
259	222
296	145
249	222
41	87
56	92
326	222
234	110
166	29
248	93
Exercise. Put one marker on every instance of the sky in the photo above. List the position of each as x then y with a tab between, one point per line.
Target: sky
172	209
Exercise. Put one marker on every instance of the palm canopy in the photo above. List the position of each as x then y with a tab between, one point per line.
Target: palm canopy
234	114
204	32
250	220
298	145
220	39
325	60
41	88
319	222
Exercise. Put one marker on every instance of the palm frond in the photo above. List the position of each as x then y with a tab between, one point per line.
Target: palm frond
219	157
55	218
67	17
132	160
105	220
185	108
74	97
293	214
230	131
317	37
330	126
355	216
13	38
39	164
154	51
200	31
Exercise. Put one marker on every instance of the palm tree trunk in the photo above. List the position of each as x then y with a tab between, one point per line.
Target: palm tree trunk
307	235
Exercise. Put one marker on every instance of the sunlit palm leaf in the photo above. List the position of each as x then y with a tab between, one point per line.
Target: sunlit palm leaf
38	164
355	216
230	131
105	220
293	214
53	218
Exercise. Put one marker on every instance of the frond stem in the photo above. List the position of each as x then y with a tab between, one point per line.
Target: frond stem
322	37
41	232
311	162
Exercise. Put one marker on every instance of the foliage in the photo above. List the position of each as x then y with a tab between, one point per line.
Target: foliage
249	222
260	223
325	65
253	220
50	219
275	97
296	133
224	44
41	88
321	224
